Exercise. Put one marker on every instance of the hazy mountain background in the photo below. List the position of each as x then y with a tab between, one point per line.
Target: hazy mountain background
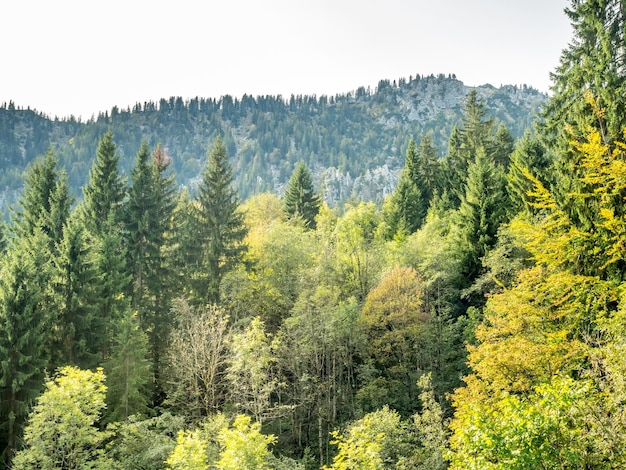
354	142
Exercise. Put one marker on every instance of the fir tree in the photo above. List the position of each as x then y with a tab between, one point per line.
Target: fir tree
481	212
24	330
46	201
300	200
76	285
220	223
128	371
105	192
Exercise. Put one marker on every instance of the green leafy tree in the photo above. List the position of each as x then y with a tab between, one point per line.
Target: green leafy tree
221	229
377	441
393	320
24	336
244	447
62	431
189	453
252	371
300	199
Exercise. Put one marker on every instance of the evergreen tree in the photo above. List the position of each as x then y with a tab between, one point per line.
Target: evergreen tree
105	192
482	210
587	92
24	330
76	285
300	199
220	223
46	201
406	209
128	371
530	155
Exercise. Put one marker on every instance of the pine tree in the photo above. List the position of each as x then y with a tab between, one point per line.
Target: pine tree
300	200
220	223
404	212
105	192
46	201
587	91
128	371
24	330
148	217
481	212
76	285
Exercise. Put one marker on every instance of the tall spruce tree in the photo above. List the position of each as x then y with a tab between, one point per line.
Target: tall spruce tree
148	217
104	196
482	210
24	330
300	200
76	283
588	89
220	223
105	192
46	201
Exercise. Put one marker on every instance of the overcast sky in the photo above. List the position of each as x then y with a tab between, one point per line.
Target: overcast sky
80	57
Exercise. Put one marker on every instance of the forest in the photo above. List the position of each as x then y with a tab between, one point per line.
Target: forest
473	319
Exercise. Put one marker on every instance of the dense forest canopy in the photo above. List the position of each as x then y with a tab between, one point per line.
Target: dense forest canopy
472	318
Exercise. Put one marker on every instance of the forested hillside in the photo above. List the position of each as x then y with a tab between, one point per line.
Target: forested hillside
352	142
474	318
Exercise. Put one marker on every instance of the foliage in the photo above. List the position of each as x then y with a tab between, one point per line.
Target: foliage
220	223
62	431
300	200
24	335
197	360
375	442
243	446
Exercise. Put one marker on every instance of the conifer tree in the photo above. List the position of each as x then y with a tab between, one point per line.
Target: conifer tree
76	286
46	201
105	191
24	329
128	371
482	210
588	89
300	200
405	210
221	228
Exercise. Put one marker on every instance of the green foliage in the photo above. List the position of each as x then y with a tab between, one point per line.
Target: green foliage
105	192
128	371
62	431
24	335
189	453
300	200
220	223
252	372
143	444
377	441
393	320
482	210
76	324
243	446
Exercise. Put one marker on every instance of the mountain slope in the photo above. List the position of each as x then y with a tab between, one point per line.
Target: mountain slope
354	142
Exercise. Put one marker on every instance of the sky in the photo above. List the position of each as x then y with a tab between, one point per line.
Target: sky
77	57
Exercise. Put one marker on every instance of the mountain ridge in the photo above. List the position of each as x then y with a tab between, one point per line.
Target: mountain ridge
353	142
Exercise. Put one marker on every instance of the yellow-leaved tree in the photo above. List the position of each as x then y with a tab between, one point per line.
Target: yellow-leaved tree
546	389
